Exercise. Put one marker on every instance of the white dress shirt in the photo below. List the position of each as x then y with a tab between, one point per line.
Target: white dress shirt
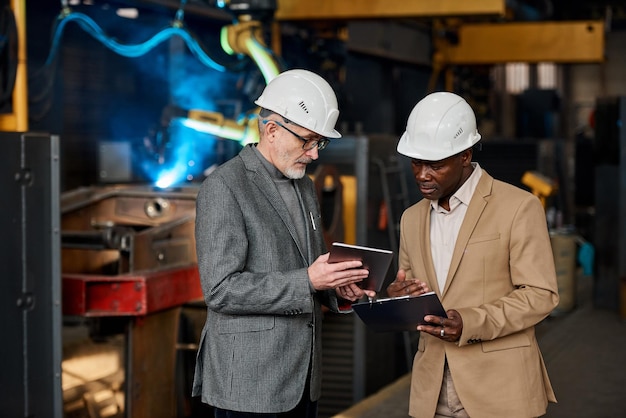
445	225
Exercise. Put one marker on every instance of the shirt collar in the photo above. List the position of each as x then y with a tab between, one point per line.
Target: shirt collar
464	194
275	173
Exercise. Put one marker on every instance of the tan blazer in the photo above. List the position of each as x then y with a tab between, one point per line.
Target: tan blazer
503	282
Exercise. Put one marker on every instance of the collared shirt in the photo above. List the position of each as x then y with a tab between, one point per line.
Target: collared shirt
445	225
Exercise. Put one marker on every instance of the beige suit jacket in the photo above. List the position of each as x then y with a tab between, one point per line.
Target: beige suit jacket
502	281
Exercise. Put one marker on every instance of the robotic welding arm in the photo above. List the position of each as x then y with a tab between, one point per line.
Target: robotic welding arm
244	131
242	37
245	37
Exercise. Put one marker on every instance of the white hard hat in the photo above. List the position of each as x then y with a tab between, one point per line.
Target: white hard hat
442	124
304	98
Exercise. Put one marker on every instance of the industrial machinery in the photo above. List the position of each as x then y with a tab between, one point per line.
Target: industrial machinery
540	185
120	230
128	267
127	254
242	38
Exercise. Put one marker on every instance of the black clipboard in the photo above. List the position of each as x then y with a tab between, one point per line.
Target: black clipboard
376	260
404	313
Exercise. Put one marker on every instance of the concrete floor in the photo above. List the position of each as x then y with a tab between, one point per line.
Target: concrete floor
585	354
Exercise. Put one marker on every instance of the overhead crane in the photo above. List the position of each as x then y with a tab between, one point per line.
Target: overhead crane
468	33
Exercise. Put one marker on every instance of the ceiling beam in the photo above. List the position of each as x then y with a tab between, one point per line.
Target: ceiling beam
381	9
191	8
533	42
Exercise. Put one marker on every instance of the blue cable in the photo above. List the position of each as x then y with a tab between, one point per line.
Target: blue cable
131	51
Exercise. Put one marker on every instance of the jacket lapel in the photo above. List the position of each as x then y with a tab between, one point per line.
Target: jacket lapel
307	204
427	254
474	211
259	176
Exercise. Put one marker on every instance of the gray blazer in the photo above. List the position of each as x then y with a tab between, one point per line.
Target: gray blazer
262	332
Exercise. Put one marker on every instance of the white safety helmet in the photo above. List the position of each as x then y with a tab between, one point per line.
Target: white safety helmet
442	124
304	98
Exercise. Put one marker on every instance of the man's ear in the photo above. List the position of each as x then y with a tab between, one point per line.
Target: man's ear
270	131
466	157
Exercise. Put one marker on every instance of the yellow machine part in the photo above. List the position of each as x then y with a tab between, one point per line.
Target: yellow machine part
349	208
540	185
348	203
381	9
17	120
559	42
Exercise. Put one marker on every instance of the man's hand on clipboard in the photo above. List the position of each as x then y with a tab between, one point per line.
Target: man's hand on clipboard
403	287
449	329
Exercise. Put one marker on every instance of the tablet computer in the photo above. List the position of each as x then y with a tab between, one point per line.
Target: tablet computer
376	260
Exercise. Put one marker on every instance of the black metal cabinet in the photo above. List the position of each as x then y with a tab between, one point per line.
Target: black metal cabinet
30	276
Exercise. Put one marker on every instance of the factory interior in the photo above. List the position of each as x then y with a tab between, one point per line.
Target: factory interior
112	113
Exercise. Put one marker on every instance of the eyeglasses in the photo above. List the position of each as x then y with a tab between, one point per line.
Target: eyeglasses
309	144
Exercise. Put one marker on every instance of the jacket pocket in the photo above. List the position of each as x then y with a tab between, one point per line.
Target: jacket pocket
235	324
506	343
483	238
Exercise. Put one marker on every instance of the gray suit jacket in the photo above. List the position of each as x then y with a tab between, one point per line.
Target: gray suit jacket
262	332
